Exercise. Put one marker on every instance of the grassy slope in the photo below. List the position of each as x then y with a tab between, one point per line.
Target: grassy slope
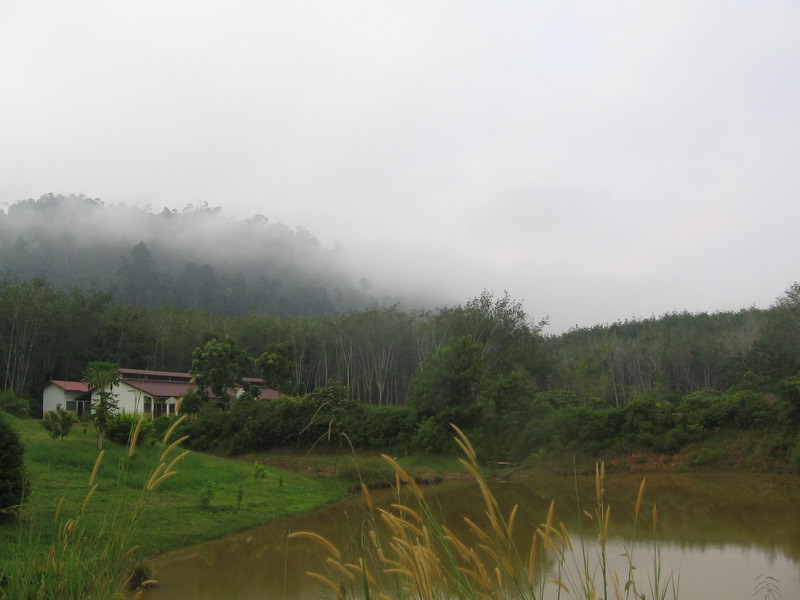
173	516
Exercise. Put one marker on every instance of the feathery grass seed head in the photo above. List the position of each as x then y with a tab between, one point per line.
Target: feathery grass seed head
96	467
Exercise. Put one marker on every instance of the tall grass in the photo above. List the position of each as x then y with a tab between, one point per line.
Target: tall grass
88	562
413	554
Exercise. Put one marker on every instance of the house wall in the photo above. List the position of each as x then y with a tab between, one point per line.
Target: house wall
52	397
134	402
129	400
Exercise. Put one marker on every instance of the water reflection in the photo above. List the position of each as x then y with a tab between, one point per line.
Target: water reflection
718	531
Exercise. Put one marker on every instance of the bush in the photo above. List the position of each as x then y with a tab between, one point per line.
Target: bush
120	427
675	439
13	404
13	484
706	457
58	423
160	425
433	437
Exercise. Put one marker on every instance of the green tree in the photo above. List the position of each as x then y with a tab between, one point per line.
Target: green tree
13	488
102	377
276	367
448	383
219	366
446	390
26	311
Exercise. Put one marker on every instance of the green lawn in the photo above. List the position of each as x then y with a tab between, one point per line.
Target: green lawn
238	495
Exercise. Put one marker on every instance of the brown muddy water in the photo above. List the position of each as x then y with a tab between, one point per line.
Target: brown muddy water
721	535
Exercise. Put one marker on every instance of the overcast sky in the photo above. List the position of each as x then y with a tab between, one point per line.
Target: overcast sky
598	160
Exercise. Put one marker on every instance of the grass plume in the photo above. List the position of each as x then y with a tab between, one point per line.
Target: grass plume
416	556
88	558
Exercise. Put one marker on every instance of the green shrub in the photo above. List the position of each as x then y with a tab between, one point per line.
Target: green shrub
58	423
159	425
431	436
13	483
674	440
706	457
206	494
13	404
120	428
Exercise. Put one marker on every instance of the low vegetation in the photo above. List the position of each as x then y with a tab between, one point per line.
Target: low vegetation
73	507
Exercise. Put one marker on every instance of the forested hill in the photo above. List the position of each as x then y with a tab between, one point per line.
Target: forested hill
194	258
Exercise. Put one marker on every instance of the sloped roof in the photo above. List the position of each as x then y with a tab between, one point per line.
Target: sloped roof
161	389
265	392
163	384
139	373
174	389
268	393
71	386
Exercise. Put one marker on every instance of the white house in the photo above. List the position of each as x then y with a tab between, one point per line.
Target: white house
70	395
151	392
139	391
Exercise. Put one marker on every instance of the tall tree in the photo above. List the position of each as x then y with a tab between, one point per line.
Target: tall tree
447	385
276	366
219	366
26	311
102	377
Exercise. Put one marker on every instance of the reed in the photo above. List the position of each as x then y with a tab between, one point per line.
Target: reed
407	552
82	561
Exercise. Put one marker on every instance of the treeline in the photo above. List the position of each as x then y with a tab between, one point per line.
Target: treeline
47	333
656	384
193	258
672	355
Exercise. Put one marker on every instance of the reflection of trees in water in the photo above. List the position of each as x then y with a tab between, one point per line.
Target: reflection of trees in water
697	511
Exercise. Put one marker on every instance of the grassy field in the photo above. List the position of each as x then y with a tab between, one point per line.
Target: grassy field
208	497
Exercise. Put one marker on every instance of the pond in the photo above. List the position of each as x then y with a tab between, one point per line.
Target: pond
721	536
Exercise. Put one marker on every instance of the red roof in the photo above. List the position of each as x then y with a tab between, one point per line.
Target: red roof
174	389
162	374
163	384
161	389
268	393
71	386
264	392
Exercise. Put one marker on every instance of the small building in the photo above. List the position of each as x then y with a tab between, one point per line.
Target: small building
69	395
150	392
140	391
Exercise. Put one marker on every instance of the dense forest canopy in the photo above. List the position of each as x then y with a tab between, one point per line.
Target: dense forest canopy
193	258
152	291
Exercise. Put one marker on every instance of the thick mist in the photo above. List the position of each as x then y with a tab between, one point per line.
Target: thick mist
153	257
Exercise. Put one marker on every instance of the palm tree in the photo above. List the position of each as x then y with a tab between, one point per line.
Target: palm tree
102	376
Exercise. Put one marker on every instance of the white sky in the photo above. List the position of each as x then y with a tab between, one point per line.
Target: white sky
598	160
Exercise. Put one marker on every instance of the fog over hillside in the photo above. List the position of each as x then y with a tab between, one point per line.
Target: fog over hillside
599	161
179	256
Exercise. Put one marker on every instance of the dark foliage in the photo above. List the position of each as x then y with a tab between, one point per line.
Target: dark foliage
325	420
13	483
